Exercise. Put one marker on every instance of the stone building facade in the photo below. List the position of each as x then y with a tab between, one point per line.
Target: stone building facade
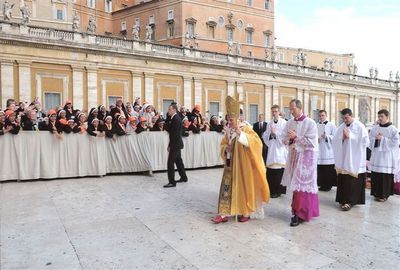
90	70
237	27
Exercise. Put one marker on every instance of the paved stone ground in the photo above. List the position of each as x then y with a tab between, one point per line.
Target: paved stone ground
131	222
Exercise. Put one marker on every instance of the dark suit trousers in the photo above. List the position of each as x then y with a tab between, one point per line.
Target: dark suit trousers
174	157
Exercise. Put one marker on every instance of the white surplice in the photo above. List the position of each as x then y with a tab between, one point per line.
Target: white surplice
277	150
385	153
326	131
350	154
301	169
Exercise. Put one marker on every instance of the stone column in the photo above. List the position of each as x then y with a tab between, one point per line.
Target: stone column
103	92
240	92
187	92
149	88
136	86
275	95
267	102
77	87
392	111
231	88
327	103
198	89
333	109
374	109
24	69
299	95
7	82
397	109
306	102
355	103
378	106
92	88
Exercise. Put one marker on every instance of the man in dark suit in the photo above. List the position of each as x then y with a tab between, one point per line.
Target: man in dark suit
175	146
260	127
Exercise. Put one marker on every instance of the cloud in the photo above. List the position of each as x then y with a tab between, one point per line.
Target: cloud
372	37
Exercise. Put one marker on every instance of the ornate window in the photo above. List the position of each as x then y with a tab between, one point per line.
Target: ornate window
191	26
266	4
249	37
108	6
267	38
171	23
253	117
170	15
214	108
51	100
151	20
249	34
60	14
59	10
91	3
211	24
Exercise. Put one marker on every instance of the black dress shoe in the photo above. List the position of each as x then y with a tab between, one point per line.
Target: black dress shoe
295	221
275	195
182	180
169	185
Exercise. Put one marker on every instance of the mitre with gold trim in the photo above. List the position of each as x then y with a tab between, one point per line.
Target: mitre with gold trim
232	106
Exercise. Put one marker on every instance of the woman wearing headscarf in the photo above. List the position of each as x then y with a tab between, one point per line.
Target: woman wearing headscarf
81	124
194	126
119	109
61	121
136	111
11	123
93	113
142	126
69	110
102	113
120	128
185	127
148	114
159	125
108	127
52	124
70	126
214	124
196	113
94	128
129	109
131	126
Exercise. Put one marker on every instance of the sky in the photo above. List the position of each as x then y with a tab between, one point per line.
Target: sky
370	29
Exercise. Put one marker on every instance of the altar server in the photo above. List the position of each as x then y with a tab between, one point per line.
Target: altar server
326	177
385	154
278	151
349	147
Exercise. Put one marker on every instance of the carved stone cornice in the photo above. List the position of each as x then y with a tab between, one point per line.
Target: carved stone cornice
191	20
230	26
249	29
211	23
